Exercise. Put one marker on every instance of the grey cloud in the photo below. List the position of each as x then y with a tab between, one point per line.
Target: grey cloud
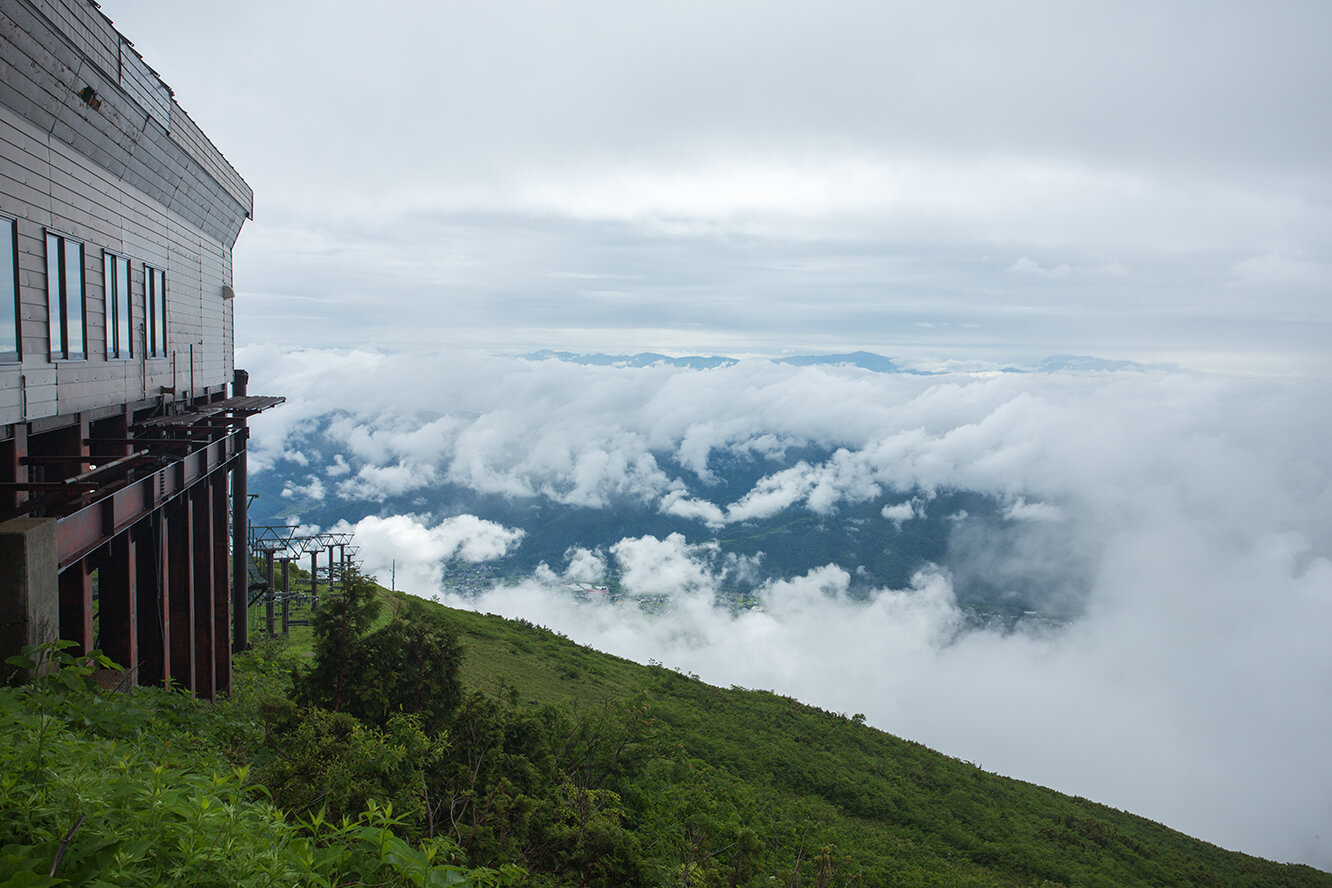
735	177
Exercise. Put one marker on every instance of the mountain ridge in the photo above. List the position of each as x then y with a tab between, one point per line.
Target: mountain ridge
865	360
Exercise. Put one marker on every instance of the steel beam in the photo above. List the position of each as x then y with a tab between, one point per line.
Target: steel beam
82	531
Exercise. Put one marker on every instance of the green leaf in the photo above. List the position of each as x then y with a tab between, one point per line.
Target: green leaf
447	877
29	880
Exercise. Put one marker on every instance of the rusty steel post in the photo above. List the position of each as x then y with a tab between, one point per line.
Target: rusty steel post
118	604
201	571
76	605
222	591
268	596
180	590
240	603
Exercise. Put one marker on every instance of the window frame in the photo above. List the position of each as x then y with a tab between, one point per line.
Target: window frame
155	313
14	355
117	293
58	299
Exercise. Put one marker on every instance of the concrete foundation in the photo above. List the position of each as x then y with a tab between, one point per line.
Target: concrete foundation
29	585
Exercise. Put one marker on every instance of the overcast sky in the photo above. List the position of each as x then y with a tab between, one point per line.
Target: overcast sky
1134	180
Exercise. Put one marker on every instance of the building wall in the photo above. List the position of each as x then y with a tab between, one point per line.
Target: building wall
129	173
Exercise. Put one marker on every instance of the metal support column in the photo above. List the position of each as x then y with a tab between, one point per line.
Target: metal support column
180	591
118	602
76	606
268	596
148	574
201	564
314	579
286	597
239	508
222	591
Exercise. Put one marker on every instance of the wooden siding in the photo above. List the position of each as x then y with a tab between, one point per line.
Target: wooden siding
143	85
133	176
55	48
87	29
186	133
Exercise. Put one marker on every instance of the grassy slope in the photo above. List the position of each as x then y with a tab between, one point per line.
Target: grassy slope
905	813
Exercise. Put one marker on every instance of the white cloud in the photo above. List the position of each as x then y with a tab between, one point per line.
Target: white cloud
585	565
668	567
1021	510
1029	267
1197	508
408	548
379	482
900	512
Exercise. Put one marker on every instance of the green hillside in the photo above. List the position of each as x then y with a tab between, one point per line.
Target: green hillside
398	742
904	815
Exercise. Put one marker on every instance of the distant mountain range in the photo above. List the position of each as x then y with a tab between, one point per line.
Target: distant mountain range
864	360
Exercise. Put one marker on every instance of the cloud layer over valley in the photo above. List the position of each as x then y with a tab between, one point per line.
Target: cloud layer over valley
1191	514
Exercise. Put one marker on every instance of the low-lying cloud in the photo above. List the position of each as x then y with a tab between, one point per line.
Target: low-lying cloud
413	552
1195	510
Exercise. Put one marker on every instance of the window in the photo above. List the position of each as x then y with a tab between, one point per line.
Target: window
64	297
116	282
155	288
9	310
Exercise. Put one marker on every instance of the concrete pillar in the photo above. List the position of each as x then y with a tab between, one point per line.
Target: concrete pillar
29	588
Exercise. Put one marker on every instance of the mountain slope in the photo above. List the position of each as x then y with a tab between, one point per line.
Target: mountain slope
887	809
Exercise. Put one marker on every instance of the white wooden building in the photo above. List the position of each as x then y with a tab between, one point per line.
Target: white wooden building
122	417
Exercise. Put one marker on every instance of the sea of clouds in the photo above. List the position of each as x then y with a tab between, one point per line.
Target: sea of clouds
1193	690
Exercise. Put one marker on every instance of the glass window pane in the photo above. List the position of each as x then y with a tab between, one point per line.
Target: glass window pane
159	278
74	320
55	315
150	309
109	292
8	292
124	333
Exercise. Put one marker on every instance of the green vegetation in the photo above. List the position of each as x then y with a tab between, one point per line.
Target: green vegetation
109	789
412	744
